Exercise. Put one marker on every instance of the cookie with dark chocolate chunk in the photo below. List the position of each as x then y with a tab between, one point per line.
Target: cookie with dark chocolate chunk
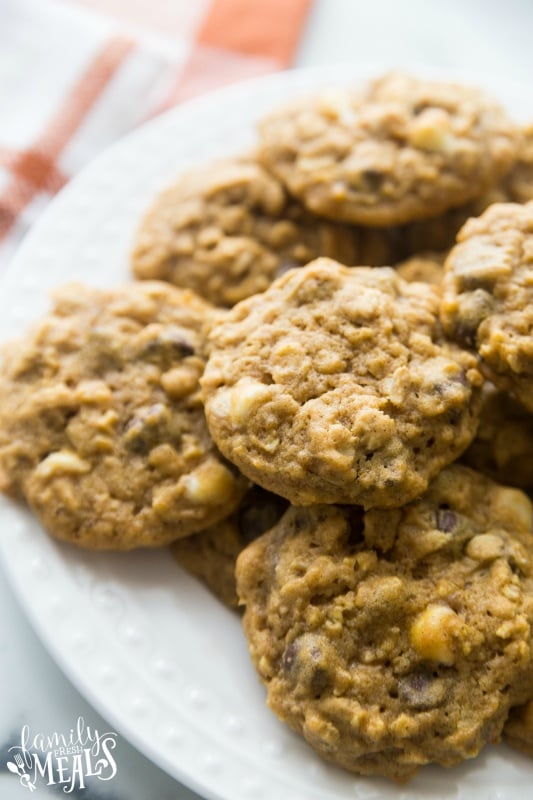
102	427
395	638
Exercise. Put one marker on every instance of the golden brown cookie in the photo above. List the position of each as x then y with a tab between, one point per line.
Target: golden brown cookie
336	385
228	230
488	295
404	649
102	428
503	445
397	150
211	554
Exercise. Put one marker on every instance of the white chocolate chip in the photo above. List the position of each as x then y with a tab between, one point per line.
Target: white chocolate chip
431	131
64	462
339	190
433	631
485	547
210	483
238	403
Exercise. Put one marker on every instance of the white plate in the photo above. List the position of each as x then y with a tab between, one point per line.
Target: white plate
148	646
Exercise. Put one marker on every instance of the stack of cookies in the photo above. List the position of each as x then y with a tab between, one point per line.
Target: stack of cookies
320	393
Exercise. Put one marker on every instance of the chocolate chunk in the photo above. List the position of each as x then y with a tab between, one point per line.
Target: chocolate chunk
171	344
373	179
146	428
422	690
289	656
475	307
446	520
308	662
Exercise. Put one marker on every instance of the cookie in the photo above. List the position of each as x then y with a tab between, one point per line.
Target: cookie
102	428
518	730
228	230
211	554
404	649
488	295
503	445
425	268
519	183
336	386
397	150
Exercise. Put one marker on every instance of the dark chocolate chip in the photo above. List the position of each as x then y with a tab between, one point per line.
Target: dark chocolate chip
146	428
446	520
171	344
422	689
289	656
307	663
373	179
421	106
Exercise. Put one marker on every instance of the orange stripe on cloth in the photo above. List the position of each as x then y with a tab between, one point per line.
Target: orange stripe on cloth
35	170
33	167
264	28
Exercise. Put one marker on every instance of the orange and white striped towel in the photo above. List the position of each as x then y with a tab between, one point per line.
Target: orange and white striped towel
73	79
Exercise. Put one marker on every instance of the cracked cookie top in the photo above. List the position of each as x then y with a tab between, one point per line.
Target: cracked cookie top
337	386
228	230
398	637
397	150
102	428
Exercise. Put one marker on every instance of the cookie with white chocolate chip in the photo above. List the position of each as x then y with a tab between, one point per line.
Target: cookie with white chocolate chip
102	428
397	150
229	229
395	638
488	295
336	386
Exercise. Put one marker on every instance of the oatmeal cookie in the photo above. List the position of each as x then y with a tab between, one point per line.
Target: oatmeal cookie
102	428
228	230
336	386
211	554
403	649
518	730
395	151
488	295
425	268
503	445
